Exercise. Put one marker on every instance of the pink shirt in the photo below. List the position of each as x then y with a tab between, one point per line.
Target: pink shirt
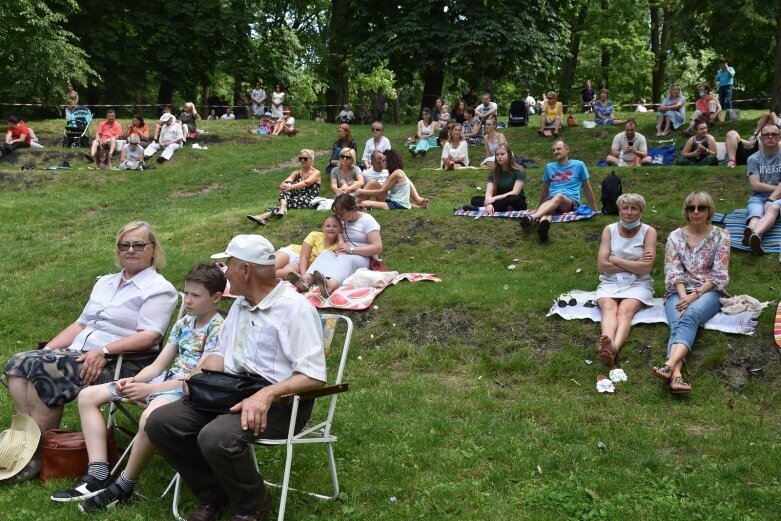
107	130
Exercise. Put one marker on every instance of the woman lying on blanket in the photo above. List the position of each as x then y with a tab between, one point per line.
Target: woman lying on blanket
625	259
696	260
362	241
292	261
504	184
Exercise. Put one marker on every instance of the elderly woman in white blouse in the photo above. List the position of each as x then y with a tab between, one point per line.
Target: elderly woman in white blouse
127	312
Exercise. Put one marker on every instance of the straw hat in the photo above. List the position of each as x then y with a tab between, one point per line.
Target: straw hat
18	445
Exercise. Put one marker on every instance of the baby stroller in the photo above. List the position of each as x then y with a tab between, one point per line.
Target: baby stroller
76	128
518	116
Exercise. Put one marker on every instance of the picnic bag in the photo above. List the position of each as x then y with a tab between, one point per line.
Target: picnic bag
611	189
64	454
217	392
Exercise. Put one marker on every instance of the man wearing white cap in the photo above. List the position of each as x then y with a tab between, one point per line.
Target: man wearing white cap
170	139
272	332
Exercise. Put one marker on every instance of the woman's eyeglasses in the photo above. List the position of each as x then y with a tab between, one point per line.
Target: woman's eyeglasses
697	207
303	158
137	246
346	157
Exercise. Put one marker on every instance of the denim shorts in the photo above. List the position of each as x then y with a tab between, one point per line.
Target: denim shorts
756	205
393	205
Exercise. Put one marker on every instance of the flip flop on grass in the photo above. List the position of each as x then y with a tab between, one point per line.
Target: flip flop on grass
664	372
679	386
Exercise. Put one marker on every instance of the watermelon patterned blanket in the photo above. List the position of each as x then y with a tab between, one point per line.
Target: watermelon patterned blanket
358	299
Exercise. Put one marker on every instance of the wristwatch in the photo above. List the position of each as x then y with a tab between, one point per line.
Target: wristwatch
105	351
352	250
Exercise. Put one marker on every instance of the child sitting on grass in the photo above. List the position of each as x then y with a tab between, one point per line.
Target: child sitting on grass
297	262
193	335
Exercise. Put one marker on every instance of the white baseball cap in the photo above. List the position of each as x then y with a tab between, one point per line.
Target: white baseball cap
250	248
165	117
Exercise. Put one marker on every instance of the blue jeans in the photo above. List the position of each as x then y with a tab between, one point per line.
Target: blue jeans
684	329
725	96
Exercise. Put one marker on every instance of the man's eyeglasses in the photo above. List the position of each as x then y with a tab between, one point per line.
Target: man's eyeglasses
137	246
303	158
697	207
770	135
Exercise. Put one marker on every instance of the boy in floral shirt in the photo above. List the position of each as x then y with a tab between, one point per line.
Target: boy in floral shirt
193	335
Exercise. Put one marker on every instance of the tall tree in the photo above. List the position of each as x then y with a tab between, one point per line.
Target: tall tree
39	55
567	80
661	20
776	104
336	94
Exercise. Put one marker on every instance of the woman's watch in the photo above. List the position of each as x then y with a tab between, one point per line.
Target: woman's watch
352	250
105	351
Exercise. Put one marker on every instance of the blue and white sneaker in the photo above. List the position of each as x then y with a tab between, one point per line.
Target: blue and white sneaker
86	487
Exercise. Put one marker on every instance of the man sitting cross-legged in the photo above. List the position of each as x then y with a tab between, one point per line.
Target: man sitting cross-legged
764	178
192	335
560	193
629	147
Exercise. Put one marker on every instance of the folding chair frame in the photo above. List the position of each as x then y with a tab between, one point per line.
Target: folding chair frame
316	434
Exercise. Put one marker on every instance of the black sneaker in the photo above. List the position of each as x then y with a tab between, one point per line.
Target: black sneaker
86	487
755	241
526	222
542	230
160	159
108	498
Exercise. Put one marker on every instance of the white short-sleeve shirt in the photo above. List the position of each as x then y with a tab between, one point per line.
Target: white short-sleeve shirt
370	147
278	337
114	312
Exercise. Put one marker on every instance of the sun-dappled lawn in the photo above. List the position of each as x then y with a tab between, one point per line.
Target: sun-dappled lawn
465	401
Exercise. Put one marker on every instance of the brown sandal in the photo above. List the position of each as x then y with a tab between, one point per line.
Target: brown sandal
679	386
664	372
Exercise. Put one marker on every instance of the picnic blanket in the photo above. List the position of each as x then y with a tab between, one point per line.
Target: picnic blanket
740	323
736	222
558	218
360	298
777	326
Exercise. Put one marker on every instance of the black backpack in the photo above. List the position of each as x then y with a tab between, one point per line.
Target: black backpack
611	189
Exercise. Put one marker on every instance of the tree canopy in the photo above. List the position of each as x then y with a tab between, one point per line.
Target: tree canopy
329	53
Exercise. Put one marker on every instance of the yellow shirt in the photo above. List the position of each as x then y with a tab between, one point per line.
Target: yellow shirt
552	111
317	241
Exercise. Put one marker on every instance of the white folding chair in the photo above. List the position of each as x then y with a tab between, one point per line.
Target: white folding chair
316	434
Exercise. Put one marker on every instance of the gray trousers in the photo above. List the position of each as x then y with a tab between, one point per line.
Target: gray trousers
212	453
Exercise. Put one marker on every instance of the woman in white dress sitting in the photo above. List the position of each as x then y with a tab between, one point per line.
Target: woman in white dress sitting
625	259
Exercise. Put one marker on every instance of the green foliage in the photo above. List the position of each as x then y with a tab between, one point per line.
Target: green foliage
364	85
39	55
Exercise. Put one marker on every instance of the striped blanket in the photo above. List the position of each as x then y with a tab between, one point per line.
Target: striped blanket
777	326
736	222
558	218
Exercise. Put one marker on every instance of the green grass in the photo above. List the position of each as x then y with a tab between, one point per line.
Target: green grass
465	401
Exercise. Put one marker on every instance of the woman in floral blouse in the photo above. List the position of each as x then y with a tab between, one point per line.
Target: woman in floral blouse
696	261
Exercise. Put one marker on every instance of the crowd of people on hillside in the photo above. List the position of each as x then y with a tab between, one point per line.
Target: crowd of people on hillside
129	311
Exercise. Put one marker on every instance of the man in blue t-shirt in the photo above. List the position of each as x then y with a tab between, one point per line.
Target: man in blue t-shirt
560	193
725	78
764	179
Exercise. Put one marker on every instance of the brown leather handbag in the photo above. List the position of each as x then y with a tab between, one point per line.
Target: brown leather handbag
64	454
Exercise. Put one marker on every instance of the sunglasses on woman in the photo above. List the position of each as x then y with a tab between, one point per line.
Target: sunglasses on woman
303	158
137	246
346	157
697	207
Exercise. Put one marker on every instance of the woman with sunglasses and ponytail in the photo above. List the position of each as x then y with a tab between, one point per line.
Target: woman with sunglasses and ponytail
296	191
625	259
696	263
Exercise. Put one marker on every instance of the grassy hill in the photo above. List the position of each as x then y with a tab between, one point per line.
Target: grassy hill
465	401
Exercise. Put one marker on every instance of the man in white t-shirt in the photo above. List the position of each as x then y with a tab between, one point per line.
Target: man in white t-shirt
228	114
531	103
376	172
629	147
212	451
486	109
346	115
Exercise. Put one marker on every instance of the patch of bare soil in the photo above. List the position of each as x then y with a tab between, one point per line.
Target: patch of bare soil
291	163
443	327
194	192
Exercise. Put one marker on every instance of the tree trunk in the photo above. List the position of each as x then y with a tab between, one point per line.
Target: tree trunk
336	64
660	45
605	64
166	91
776	102
567	81
433	80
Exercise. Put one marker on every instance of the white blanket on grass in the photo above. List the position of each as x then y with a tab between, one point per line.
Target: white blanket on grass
740	323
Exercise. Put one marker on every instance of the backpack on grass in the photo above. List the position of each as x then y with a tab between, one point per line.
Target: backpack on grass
611	189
